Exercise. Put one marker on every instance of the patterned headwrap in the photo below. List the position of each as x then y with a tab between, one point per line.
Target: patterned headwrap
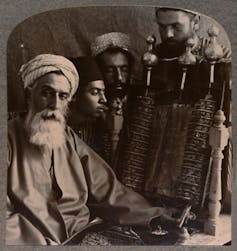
110	40
46	63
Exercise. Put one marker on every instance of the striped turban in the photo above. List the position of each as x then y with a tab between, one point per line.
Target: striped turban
46	63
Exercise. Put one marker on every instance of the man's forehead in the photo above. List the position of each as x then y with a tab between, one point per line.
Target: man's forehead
97	84
113	58
172	16
56	81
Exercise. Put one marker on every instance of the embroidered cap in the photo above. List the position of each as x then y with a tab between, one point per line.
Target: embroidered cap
110	40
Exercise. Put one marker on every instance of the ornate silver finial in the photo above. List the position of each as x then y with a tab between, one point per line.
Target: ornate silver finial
213	51
149	58
188	58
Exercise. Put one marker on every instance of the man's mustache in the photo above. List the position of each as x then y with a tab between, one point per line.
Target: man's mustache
103	107
119	89
169	49
52	115
170	41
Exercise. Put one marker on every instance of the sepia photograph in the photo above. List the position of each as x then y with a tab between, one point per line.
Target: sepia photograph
118	128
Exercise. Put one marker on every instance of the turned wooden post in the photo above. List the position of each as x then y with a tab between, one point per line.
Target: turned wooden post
115	124
218	140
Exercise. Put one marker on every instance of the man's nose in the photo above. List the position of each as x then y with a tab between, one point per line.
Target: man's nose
103	98
119	74
55	102
169	32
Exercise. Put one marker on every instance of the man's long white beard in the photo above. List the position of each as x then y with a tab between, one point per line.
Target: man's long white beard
47	128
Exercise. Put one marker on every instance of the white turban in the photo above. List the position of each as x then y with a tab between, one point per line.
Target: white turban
46	63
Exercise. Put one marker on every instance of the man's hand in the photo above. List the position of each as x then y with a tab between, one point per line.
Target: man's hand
169	219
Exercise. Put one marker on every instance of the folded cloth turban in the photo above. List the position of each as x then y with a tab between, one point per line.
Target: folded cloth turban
110	40
46	63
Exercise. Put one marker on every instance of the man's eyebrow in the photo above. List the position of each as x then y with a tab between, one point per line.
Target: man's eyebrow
119	65
110	66
161	24
46	87
64	92
96	88
176	23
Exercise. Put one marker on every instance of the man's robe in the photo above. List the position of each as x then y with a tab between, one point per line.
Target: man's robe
51	195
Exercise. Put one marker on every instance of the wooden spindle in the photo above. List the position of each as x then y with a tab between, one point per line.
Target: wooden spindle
185	60
218	140
114	124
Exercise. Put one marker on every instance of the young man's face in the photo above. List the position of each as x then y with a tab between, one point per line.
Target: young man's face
51	92
91	101
116	71
175	27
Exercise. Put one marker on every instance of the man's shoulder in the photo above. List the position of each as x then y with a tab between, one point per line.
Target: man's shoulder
78	144
71	134
14	124
75	141
15	133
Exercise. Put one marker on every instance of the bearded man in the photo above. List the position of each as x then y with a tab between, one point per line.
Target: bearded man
56	183
113	53
176	27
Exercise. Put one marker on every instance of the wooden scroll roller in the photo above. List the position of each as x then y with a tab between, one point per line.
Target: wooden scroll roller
184	235
114	124
218	139
213	52
149	60
137	144
185	61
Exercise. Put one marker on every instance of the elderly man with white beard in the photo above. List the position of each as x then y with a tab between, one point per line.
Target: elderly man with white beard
56	184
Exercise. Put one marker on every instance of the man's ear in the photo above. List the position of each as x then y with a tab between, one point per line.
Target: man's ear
28	93
196	23
73	99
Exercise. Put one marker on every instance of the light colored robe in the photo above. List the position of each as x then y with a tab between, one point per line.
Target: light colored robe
45	209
